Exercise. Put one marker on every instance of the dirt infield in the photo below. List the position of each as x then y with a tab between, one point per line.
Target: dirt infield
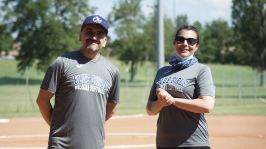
138	132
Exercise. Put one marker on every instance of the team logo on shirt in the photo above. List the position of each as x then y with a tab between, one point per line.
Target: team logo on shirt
172	83
91	83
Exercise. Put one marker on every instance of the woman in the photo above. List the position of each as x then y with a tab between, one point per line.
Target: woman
181	94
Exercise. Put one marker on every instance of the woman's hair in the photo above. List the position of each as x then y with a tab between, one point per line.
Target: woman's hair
188	27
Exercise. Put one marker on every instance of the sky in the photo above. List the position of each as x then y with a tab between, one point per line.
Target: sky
196	10
204	11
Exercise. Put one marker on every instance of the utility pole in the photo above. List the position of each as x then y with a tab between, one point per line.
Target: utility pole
160	35
263	78
174	7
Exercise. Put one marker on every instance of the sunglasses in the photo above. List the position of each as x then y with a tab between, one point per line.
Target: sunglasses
190	41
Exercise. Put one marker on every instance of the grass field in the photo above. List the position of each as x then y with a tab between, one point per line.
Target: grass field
237	90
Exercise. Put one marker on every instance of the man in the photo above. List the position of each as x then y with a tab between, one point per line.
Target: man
86	89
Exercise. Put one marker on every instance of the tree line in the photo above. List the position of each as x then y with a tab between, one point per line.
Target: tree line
47	29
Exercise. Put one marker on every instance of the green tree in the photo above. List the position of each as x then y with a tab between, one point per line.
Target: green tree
149	38
199	53
6	39
169	37
170	28
249	23
180	21
214	40
45	29
200	29
128	21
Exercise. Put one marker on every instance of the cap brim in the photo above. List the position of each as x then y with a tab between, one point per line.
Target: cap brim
100	25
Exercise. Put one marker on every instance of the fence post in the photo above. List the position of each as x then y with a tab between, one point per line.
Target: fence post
26	90
146	87
239	87
222	87
28	93
128	101
255	88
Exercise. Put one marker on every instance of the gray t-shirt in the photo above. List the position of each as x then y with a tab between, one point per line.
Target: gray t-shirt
177	127
82	88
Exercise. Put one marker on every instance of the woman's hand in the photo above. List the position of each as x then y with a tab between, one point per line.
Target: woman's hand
164	98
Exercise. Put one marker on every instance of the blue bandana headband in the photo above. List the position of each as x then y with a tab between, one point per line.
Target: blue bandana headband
180	65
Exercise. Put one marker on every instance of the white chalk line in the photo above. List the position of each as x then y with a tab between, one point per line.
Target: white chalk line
23	148
131	134
108	134
111	134
106	147
24	136
2	120
130	146
128	116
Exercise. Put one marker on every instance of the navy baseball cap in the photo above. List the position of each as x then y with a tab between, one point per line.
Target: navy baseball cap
96	20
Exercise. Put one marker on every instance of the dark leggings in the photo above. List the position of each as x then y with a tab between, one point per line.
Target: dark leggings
201	147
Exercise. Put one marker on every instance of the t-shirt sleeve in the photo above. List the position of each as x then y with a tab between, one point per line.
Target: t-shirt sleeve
205	82
152	95
52	77
115	89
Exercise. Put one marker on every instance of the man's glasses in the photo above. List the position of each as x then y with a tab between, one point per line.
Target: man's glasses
190	41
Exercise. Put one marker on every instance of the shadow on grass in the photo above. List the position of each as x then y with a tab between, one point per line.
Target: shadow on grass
18	81
135	84
242	97
135	81
234	85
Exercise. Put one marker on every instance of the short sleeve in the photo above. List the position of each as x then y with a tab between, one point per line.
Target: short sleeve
205	83
115	89
52	76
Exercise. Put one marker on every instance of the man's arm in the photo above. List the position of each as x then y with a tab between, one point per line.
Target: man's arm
110	110
44	105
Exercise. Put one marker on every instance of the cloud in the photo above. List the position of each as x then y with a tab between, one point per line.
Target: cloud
220	4
147	9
